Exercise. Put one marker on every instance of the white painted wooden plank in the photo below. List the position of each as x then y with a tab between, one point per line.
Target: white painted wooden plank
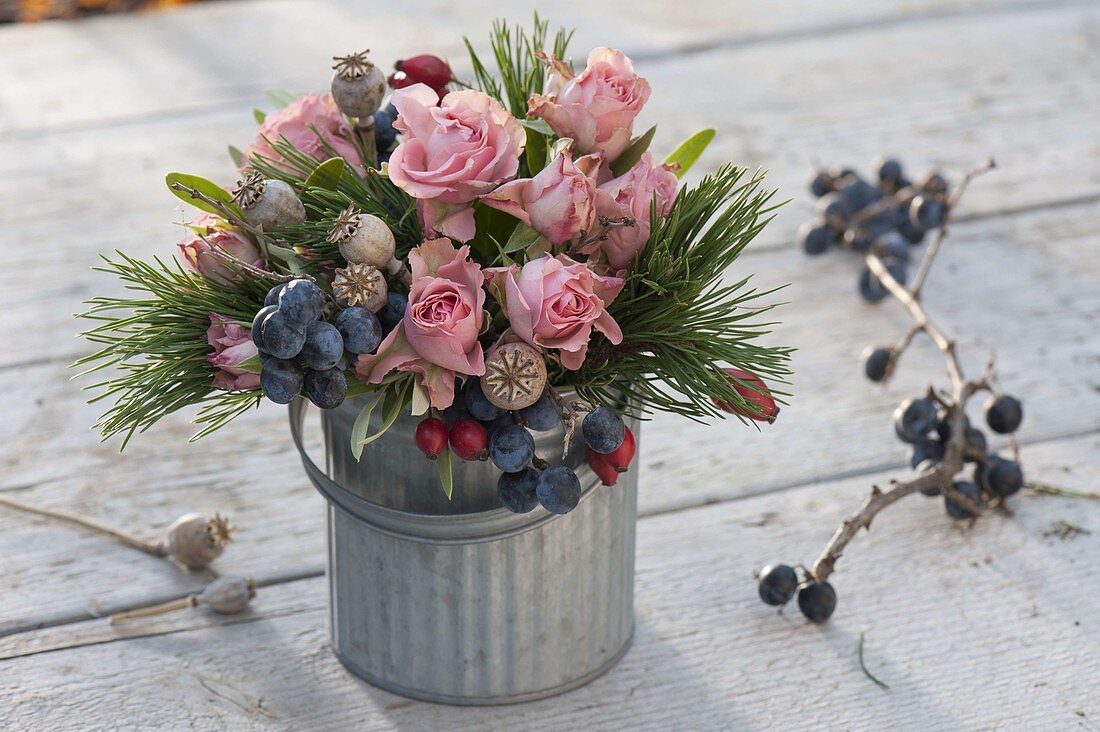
75	194
195	58
973	629
1038	312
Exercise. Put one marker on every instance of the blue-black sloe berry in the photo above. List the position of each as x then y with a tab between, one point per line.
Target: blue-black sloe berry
603	430
517	491
777	584
559	489
511	448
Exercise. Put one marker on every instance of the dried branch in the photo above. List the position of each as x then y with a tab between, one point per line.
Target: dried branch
956	449
934	247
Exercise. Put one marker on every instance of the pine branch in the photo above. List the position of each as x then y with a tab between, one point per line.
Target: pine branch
520	70
155	347
681	324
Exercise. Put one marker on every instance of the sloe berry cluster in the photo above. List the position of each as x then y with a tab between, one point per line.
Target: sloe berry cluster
885	218
881	222
301	351
477	429
926	425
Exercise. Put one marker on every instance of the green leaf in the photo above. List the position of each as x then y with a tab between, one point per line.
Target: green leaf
536	149
259	115
361	425
540	126
279	97
327	175
287	255
236	156
491	224
396	400
252	365
203	186
689	151
421	402
633	152
446	471
357	386
522	237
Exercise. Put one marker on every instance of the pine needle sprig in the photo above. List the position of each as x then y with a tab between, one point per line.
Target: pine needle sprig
521	72
154	344
681	323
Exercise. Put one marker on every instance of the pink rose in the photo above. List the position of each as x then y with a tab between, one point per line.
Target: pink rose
314	125
232	344
438	336
597	108
451	153
209	233
555	302
559	202
631	195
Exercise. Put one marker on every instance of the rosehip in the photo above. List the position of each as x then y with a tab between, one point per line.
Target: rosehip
422	69
431	437
603	469
756	393
470	440
620	458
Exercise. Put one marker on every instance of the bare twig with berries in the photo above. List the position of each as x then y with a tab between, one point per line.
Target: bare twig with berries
881	223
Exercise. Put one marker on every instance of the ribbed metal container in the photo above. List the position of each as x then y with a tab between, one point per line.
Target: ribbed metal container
461	601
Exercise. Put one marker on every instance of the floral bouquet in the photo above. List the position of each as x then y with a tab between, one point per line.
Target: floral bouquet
497	257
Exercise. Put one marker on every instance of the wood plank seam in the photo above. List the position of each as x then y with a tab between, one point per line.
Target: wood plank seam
251	91
794	35
277	578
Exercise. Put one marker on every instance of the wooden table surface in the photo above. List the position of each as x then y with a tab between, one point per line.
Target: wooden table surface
988	627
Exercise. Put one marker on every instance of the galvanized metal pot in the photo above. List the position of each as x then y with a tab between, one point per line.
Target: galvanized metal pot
461	601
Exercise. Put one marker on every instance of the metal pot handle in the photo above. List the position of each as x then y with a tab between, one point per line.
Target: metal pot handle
326	486
461	529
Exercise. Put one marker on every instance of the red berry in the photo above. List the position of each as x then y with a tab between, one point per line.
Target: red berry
470	440
431	437
756	393
603	469
424	69
399	80
620	457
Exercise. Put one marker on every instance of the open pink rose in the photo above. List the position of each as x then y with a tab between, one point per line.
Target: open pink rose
232	344
208	233
453	150
438	336
314	125
559	202
555	302
597	108
631	195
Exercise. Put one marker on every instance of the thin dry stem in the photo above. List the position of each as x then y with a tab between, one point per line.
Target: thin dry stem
156	548
941	234
166	607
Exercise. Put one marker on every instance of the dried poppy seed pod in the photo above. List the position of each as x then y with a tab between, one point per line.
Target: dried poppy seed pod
360	284
515	376
194	540
358	85
364	239
269	203
228	595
